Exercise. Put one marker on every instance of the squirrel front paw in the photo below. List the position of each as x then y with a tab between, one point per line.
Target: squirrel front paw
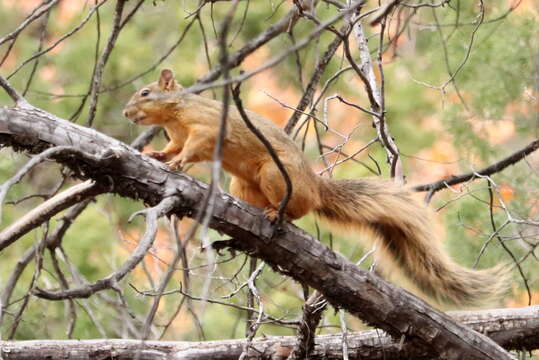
158	155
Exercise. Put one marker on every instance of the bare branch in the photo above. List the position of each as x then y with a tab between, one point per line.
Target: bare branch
4	188
44	211
166	279
109	282
487	171
308	94
13	94
269	33
36	14
377	97
61	39
98	73
516	329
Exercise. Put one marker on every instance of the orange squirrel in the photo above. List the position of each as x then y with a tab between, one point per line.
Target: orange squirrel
387	210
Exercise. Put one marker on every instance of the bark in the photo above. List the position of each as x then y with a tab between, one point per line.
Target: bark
289	250
516	329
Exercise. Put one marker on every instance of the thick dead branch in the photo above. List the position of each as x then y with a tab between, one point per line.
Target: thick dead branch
289	251
516	329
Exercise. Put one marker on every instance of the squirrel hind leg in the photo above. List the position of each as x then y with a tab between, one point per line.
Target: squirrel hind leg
250	193
273	187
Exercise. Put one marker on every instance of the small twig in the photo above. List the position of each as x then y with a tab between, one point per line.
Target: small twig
40	248
271	32
36	13
478	23
275	60
359	107
376	95
62	38
347	157
423	4
52	242
224	303
131	13
11	282
4	188
376	172
146	137
252	326
502	243
13	94
98	73
166	279
42	36
487	171
344	332
384	12
152	215
291	107
152	67
271	151
65	285
250	296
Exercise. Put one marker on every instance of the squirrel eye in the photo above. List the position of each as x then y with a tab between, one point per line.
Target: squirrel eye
145	92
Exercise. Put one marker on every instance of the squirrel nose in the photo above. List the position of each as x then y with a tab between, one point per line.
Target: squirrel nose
125	113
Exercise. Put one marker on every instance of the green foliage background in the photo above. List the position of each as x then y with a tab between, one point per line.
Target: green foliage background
501	69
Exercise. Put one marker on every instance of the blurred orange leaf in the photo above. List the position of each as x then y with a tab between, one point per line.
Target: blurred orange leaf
507	193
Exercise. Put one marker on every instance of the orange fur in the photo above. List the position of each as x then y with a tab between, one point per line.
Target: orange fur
192	122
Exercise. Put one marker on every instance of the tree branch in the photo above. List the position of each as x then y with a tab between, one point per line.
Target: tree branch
12	93
46	210
489	170
516	329
109	282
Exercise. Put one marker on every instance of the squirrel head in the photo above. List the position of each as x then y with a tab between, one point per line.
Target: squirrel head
152	104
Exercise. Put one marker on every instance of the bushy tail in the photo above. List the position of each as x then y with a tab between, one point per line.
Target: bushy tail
408	239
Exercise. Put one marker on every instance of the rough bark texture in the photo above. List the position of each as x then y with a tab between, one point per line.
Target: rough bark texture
290	251
516	329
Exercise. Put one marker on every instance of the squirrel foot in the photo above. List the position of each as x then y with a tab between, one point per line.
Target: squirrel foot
176	164
272	214
158	155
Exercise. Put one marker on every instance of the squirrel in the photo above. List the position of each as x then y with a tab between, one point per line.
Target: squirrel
386	209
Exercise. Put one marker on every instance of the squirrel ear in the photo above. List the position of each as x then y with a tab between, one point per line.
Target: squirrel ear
166	80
